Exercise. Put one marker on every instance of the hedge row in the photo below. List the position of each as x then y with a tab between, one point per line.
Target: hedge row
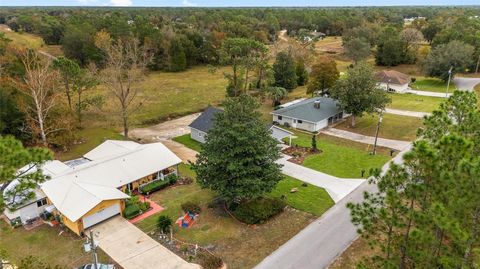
159	184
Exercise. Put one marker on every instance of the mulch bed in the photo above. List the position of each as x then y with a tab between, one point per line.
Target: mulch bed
299	153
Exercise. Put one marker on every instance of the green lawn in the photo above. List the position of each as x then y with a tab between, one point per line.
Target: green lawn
393	126
240	245
188	142
310	199
414	102
45	242
432	85
90	138
340	157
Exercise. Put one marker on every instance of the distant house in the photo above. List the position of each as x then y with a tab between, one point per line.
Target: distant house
200	127
393	81
310	114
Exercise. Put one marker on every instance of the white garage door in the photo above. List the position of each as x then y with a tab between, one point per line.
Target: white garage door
101	215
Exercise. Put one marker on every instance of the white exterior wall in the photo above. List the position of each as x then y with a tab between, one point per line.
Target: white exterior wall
25	213
283	120
320	125
397	87
197	135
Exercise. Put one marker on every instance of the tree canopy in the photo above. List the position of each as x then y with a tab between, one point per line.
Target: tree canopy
238	159
285	71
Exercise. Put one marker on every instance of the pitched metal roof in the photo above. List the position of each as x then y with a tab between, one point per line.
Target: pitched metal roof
205	121
82	187
392	76
305	110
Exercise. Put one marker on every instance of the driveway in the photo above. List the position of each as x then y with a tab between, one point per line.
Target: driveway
132	249
318	245
337	188
408	113
388	143
466	83
165	130
432	94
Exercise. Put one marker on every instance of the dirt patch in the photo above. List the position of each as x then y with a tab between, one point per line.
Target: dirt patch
165	130
299	153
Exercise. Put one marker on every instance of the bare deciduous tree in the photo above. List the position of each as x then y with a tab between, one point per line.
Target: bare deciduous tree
40	85
124	69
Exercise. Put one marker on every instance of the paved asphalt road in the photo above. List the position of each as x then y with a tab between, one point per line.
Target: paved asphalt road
322	241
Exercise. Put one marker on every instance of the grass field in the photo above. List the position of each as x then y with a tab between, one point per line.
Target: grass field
414	102
90	138
340	157
240	245
22	39
45	242
392	127
432	85
188	142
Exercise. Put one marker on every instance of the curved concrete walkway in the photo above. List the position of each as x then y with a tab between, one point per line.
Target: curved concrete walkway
466	83
408	113
337	188
388	143
318	245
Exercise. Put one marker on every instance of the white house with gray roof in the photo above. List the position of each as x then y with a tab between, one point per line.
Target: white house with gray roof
310	115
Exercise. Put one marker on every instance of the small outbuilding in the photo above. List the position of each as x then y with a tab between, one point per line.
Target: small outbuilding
393	81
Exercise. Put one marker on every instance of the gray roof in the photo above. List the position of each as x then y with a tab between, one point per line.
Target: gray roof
306	111
205	121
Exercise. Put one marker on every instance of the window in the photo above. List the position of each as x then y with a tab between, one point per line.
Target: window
294	121
300	121
279	117
42	202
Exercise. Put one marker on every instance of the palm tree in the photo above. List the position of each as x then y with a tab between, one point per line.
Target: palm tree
276	94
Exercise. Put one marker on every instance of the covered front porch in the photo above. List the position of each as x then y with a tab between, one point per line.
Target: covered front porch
157	176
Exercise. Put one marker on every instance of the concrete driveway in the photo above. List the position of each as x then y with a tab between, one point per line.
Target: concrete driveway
466	83
133	249
165	130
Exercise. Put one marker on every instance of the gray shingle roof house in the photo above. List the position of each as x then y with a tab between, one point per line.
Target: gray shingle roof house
311	114
200	126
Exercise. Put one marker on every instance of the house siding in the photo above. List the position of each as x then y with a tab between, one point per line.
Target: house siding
197	135
400	88
25	213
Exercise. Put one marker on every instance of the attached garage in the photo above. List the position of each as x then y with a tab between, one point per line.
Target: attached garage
101	215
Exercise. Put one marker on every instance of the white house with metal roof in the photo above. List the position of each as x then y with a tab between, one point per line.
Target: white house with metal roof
21	210
310	115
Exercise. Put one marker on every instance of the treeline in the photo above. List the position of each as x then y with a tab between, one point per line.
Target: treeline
183	37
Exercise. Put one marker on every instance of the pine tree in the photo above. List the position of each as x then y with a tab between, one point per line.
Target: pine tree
178	60
238	159
284	71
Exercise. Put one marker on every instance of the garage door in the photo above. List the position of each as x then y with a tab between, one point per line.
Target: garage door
101	215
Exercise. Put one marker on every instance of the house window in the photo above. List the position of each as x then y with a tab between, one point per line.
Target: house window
42	202
294	121
300	121
279	117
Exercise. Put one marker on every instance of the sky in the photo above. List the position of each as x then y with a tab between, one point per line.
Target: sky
236	3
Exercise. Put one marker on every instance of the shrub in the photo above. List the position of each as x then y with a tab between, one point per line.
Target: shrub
191	207
144	206
164	223
131	211
259	210
209	261
158	184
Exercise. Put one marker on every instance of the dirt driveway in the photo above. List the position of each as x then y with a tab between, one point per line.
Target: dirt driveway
132	249
165	131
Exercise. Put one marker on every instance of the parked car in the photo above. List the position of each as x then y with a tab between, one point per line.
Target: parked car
99	266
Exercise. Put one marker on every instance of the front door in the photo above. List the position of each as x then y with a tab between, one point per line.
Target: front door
294	123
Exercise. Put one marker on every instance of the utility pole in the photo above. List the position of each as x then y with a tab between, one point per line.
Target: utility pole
94	250
380	118
449	77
